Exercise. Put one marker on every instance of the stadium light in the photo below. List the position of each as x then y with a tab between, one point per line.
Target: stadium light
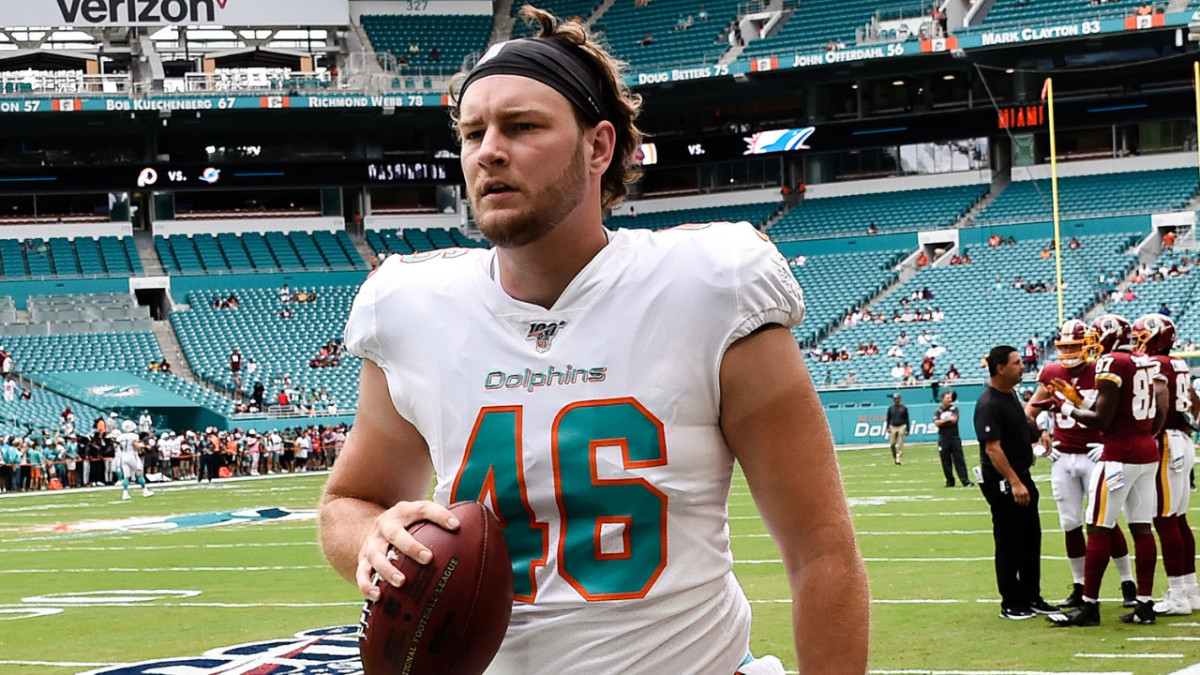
948	77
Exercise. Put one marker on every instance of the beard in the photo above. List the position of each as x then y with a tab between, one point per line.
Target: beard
548	206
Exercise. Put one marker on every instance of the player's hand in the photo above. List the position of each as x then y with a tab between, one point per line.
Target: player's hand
1052	402
1067	390
1052	453
391	528
1094	450
1020	494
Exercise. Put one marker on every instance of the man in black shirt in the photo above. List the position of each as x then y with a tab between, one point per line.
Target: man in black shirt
897	421
950	448
1005	456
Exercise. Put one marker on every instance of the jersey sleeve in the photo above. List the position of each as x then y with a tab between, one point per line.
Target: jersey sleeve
987	422
766	290
361	335
1107	368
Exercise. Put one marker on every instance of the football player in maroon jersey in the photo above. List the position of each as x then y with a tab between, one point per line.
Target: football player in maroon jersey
1155	336
1075	450
1129	410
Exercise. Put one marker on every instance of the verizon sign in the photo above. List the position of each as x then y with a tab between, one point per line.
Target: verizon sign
95	13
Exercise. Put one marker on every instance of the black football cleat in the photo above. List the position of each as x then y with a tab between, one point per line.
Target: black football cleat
1042	607
1129	593
1075	599
1087	615
1142	614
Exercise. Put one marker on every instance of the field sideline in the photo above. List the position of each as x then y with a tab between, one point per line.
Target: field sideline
77	593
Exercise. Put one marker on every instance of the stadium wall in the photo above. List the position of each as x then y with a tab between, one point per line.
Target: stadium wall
1174	160
857	426
68	230
877	185
699	201
244	225
421	221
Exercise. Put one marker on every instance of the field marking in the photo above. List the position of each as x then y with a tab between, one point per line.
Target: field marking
1177	638
995	672
1083	655
107	549
1193	669
64	664
265	568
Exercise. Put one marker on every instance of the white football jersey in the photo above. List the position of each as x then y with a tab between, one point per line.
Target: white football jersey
591	428
125	443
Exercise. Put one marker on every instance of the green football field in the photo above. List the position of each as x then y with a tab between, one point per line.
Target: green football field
88	581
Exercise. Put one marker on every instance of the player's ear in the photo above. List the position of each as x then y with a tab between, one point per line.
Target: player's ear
602	140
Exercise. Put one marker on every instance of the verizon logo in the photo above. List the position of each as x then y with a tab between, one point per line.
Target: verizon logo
140	11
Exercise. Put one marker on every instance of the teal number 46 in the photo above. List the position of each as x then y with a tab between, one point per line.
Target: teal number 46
612	531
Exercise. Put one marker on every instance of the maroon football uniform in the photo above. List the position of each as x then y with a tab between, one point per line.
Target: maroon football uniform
1070	436
1179	386
1129	437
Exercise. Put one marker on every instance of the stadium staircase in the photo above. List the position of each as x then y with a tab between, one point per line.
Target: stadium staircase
502	21
144	241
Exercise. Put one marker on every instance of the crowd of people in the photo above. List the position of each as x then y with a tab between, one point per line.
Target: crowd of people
66	457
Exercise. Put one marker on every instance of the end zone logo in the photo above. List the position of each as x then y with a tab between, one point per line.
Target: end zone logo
324	651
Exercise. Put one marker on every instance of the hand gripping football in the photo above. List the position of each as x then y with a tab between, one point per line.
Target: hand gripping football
450	616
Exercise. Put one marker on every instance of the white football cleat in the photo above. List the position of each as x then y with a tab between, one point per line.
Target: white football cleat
147	492
1173	604
125	496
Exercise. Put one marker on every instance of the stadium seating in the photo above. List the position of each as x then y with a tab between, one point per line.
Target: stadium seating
900	211
829	292
128	351
564	9
756	214
42	411
1102	194
1177	292
251	251
279	346
455	36
624	24
977	315
85	313
813	25
67	258
1012	13
413	240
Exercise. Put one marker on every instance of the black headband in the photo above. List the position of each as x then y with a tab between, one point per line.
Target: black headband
553	62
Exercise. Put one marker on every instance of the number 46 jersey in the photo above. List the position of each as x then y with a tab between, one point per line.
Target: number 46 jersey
592	430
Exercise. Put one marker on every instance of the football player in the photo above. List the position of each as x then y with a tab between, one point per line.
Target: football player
1155	335
1074	451
595	389
127	461
1129	410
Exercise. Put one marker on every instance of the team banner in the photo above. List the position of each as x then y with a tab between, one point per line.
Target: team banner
167	103
100	13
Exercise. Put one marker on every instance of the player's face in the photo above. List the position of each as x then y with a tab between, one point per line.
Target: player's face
522	158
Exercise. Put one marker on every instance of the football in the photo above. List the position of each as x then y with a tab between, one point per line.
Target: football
450	615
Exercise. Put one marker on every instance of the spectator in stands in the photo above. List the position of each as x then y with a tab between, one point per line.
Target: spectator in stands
922	259
1030	355
235	362
6	362
927	368
703	13
10	389
843	354
966	259
897	371
435	55
923	338
828	378
153	367
414	48
895	352
903	340
1168	239
1074	243
872	348
1163	309
640	3
851	379
994	240
1129	295
872	229
286	313
1145	9
232	301
952	373
1045	254
645	42
164	366
26	394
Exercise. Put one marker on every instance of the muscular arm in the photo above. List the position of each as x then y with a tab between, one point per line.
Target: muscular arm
1040	395
773	421
1100	415
1162	403
374	490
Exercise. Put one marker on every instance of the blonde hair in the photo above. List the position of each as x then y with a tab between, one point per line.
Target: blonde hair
623	103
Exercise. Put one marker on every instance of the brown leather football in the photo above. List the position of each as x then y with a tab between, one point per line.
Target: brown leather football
450	616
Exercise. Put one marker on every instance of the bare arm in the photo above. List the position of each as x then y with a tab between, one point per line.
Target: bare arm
376	490
995	453
1037	402
1162	402
773	421
1101	413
